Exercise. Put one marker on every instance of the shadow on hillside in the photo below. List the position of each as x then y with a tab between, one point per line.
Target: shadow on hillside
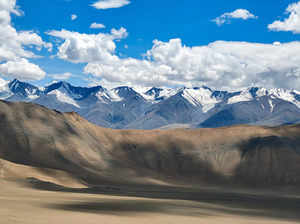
269	161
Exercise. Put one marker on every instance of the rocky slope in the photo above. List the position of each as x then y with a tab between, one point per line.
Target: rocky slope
35	136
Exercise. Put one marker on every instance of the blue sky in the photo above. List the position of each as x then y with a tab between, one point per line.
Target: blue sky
190	22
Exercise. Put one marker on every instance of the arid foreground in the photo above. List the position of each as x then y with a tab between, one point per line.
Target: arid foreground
58	167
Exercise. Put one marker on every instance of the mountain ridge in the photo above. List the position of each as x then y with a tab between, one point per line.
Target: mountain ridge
127	107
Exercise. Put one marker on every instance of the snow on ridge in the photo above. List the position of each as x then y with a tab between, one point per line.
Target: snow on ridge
164	93
142	91
296	92
271	106
244	96
274	93
113	95
167	92
64	88
63	97
200	96
285	95
261	92
196	96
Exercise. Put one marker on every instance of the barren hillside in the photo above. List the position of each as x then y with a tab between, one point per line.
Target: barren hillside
34	136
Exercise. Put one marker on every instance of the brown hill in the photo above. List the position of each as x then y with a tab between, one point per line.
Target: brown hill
34	136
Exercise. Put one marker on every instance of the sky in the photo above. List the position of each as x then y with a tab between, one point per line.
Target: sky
229	44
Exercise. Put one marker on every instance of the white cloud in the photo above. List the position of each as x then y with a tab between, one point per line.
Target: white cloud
108	4
292	23
119	34
74	16
97	26
62	76
29	38
13	43
80	48
220	64
22	69
237	14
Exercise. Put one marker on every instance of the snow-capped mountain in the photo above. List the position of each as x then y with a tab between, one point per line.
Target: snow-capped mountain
18	91
158	94
149	108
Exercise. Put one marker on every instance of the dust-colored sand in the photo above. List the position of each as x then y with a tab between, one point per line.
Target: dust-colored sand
20	204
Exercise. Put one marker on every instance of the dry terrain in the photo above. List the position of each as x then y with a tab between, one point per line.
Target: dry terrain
59	168
20	204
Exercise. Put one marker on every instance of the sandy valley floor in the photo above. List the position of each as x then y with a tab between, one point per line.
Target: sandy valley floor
24	205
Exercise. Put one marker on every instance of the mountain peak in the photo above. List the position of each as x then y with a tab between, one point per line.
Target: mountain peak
57	85
13	83
154	91
23	88
126	92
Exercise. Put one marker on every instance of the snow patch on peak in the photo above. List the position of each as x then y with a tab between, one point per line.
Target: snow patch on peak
166	93
285	95
244	96
113	95
200	96
261	92
63	97
296	91
155	94
141	90
274	93
282	94
271	106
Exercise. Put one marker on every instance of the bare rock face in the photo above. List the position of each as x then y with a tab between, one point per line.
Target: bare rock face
34	136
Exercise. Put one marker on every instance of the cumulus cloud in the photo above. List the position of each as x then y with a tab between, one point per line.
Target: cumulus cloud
220	64
97	26
73	17
81	48
109	4
243	14
292	23
22	69
13	44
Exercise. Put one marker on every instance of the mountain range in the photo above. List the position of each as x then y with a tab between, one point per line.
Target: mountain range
151	108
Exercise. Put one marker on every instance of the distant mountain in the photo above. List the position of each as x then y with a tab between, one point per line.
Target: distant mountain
150	108
22	91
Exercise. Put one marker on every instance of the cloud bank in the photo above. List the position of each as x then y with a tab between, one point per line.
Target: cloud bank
220	64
